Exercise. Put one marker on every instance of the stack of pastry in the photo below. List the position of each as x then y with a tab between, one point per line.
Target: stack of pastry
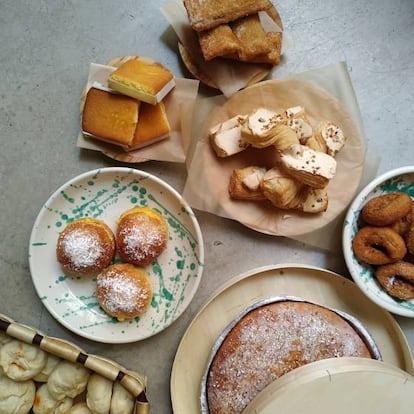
304	163
235	29
129	111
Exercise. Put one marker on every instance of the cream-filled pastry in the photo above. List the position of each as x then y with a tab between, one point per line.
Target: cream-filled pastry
21	361
332	135
308	166
297	120
245	183
225	137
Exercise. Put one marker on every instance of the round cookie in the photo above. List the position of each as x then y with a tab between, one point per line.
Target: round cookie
141	235
85	247
123	291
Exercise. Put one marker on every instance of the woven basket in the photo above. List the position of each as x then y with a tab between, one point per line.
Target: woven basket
131	381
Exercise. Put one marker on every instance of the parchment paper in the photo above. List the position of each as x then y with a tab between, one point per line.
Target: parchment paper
228	75
326	94
170	149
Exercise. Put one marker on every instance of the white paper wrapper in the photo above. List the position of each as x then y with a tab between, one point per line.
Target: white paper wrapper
170	149
326	94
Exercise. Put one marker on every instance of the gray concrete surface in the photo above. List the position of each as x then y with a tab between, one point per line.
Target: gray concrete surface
45	50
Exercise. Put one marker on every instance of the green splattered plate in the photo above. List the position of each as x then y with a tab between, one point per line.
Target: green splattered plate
400	179
106	193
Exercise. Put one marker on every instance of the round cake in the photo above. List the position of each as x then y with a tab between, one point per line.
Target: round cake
141	236
270	341
123	291
85	247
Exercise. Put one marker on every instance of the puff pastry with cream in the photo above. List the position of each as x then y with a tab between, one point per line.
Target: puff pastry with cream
313	168
332	135
245	183
225	137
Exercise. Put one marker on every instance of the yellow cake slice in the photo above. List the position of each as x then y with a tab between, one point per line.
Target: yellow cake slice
146	81
110	117
153	126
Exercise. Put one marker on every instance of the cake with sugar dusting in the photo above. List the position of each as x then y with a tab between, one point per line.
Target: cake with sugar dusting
85	247
141	235
124	291
270	341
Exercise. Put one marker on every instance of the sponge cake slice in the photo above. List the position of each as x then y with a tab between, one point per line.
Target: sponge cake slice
110	117
145	80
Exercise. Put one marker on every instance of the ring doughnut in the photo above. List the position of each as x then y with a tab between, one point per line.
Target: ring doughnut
378	245
386	209
397	279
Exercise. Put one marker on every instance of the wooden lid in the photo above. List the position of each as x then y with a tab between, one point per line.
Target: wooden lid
339	385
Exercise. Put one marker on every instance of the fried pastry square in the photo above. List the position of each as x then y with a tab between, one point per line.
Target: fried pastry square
273	57
206	14
218	41
252	37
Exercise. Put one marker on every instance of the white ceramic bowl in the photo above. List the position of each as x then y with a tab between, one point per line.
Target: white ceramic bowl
400	179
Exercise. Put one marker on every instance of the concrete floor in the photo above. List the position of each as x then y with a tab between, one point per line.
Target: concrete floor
45	51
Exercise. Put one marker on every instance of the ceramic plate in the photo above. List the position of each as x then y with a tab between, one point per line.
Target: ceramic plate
105	194
400	179
313	284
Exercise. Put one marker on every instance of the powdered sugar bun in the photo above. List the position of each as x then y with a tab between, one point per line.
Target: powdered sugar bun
141	235
123	291
85	247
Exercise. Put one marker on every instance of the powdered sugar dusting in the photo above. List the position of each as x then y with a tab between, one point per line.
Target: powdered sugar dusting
121	293
269	344
141	240
82	248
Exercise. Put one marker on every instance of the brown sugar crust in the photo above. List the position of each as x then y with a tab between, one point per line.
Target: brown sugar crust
123	291
386	209
378	245
397	279
269	342
141	236
85	247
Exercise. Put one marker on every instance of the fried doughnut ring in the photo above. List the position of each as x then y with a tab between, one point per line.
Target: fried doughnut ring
386	209
378	245
397	279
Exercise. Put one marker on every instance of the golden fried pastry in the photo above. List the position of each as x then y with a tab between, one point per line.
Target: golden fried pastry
144	80
310	167
252	38
141	235
225	137
85	247
378	245
204	15
284	137
123	291
245	183
397	279
386	208
286	193
317	143
272	57
218	41
332	135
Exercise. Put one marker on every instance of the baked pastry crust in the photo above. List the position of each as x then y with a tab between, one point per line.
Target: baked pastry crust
245	183
206	14
269	342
